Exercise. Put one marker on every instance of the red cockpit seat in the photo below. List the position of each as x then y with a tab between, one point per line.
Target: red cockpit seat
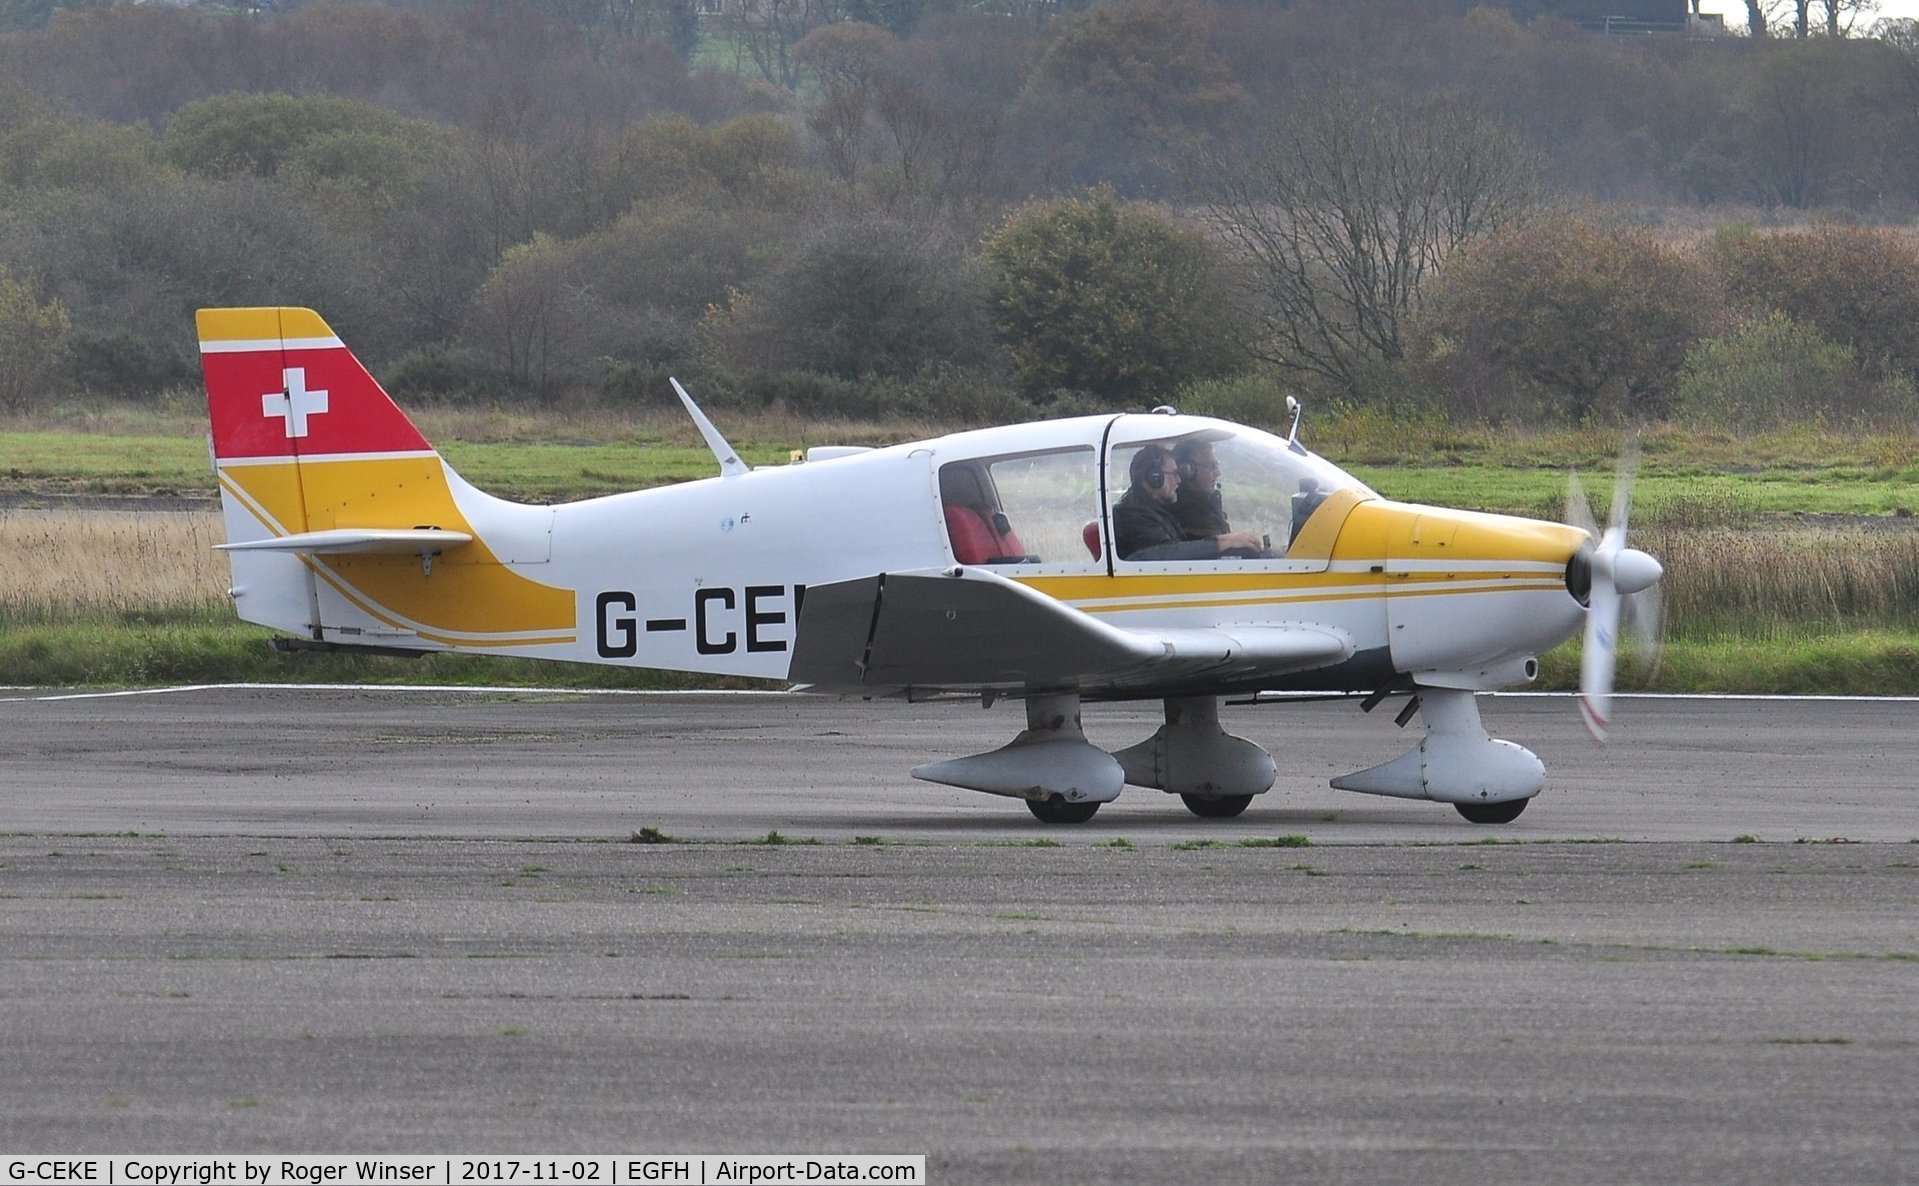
978	531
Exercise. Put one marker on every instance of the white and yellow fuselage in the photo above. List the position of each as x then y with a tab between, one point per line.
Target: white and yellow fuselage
982	562
711	575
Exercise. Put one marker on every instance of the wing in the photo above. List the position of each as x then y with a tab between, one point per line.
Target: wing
968	629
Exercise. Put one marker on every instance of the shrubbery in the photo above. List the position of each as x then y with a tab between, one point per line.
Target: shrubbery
541	201
1773	372
1592	319
1113	299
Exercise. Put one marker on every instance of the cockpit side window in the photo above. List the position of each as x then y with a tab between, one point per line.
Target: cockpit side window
1028	508
1216	495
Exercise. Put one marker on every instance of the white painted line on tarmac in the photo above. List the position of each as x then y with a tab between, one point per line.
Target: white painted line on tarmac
507	690
1725	696
479	690
1282	697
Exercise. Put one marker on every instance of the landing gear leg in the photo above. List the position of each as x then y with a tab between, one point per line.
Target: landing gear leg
1215	773
1488	780
1062	776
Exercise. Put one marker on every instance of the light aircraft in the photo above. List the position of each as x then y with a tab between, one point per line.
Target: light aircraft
981	563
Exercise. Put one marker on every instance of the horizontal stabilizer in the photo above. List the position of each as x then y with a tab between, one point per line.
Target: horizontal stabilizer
970	628
390	541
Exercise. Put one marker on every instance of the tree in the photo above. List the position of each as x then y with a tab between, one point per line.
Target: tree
1836	17
534	323
763	34
1343	208
142	260
1813	122
1596	319
1113	299
867	297
752	162
33	342
1843	15
234	134
845	60
667	264
1122	85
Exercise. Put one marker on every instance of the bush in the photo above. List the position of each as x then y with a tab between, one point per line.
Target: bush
810	394
33	342
1858	286
1594	319
120	362
1774	372
1254	399
865	297
1095	295
442	373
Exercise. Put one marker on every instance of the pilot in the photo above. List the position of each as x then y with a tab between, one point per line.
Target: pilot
1200	507
1143	524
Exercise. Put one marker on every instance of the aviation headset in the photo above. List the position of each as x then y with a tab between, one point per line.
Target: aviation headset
1155	477
1148	468
1183	457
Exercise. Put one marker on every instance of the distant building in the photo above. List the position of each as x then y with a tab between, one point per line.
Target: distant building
1623	17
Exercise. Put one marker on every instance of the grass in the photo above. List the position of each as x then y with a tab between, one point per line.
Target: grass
60	566
212	648
531	456
1875	662
1758	597
1826	489
546	455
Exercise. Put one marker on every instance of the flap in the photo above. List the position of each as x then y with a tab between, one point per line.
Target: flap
394	541
970	628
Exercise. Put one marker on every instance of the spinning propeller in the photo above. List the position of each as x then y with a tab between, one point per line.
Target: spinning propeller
1621	578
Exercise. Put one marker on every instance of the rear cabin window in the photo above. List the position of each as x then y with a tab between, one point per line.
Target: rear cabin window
1031	508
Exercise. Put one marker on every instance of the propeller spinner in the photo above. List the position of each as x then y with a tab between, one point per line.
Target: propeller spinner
1621	578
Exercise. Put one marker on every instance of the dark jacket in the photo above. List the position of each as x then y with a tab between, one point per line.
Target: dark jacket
1144	529
1201	516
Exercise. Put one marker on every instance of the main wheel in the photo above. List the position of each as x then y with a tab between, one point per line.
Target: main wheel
1054	809
1217	806
1492	813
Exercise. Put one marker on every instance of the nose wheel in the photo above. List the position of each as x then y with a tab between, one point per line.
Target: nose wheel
1217	806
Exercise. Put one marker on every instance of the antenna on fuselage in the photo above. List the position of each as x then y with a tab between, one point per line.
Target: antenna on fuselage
1292	438
730	464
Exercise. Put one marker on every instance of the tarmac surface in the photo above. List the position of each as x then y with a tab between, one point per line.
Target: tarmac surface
336	921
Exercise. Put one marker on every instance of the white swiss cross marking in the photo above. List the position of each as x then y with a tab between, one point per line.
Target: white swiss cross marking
296	403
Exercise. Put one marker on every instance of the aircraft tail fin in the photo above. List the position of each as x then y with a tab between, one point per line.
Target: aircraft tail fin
281	385
342	522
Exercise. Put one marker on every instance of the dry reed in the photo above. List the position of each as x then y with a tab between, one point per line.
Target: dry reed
64	566
77	566
1759	581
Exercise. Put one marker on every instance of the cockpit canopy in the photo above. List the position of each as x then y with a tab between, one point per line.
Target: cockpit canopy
1051	503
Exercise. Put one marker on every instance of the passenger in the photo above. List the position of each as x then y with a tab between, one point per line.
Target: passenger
1200	507
1143	524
